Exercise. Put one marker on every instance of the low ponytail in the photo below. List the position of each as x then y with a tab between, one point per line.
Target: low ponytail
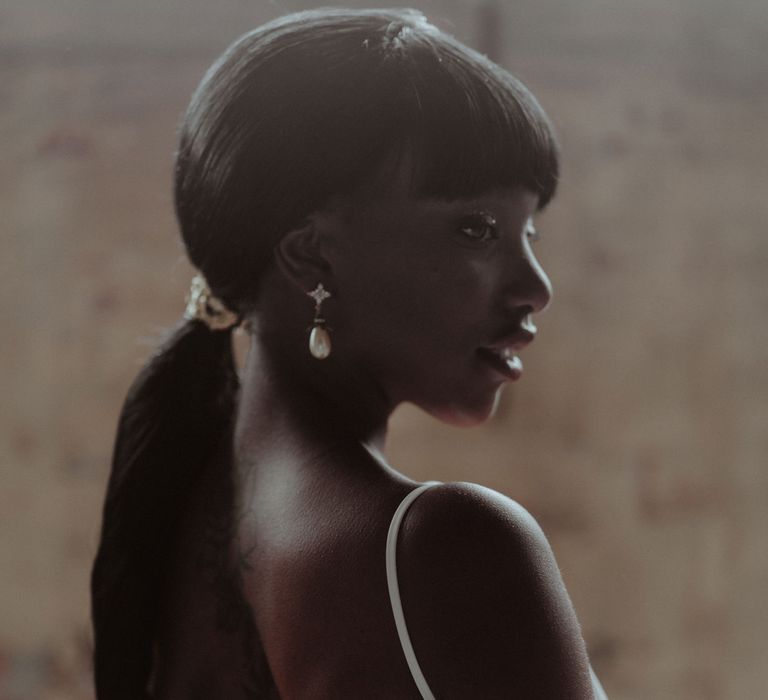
296	116
177	414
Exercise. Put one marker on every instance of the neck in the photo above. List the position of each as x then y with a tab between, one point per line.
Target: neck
291	401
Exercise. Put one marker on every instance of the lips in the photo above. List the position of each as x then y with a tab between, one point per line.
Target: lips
502	355
504	361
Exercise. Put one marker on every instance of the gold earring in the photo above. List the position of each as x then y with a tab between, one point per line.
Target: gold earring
319	339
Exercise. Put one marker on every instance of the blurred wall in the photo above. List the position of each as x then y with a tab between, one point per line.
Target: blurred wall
638	436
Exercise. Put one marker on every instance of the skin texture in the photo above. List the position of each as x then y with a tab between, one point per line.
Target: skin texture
418	287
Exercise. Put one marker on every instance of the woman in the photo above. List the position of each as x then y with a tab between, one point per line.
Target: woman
357	190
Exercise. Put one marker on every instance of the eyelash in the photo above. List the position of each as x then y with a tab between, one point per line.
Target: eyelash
484	220
478	221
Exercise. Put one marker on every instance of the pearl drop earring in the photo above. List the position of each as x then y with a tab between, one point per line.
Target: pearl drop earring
319	339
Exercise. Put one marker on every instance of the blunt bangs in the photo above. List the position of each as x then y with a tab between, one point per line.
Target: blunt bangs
469	126
319	105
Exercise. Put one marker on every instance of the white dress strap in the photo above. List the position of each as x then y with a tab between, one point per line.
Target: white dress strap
397	606
394	590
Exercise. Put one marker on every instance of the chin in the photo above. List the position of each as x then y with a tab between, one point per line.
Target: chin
465	415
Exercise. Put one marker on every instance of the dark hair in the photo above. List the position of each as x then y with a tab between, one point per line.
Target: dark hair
295	112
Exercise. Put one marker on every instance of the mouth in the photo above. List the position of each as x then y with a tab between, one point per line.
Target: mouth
504	360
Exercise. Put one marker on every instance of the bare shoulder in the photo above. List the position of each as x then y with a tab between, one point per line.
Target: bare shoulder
484	601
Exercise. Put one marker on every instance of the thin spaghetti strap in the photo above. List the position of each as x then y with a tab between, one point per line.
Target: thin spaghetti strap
394	590
397	606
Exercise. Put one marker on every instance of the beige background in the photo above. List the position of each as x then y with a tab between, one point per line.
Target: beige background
638	436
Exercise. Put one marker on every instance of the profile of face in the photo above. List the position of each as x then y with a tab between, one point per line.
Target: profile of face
430	263
434	297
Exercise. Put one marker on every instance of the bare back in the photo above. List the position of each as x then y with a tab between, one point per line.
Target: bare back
314	586
318	589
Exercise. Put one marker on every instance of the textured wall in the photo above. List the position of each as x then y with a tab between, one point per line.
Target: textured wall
638	435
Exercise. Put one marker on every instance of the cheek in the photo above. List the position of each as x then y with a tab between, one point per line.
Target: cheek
414	310
391	310
419	298
392	282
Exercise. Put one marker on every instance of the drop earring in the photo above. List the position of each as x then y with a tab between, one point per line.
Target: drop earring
319	339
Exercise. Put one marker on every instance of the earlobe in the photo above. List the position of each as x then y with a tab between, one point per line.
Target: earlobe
301	256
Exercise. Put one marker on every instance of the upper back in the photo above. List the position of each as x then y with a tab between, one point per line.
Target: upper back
317	588
484	602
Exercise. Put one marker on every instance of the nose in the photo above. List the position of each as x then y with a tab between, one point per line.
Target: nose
530	286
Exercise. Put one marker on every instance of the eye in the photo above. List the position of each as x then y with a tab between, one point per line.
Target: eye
479	226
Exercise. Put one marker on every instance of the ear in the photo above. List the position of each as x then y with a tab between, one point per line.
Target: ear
302	256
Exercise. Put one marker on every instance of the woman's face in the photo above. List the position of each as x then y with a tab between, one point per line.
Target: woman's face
433	298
